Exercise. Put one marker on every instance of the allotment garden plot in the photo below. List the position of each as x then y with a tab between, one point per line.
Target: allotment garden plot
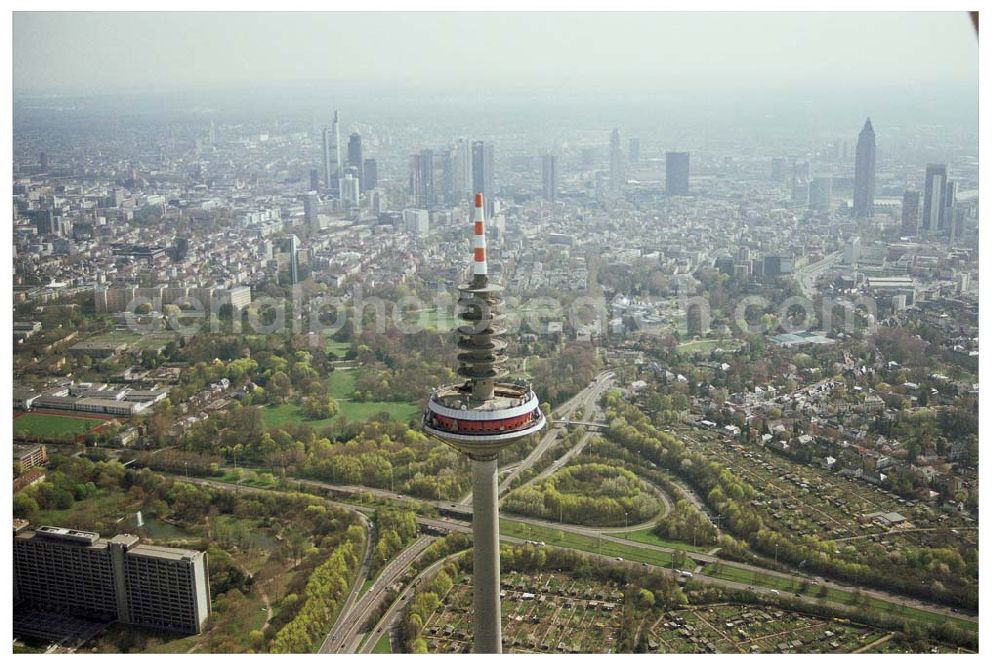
807	501
545	612
739	628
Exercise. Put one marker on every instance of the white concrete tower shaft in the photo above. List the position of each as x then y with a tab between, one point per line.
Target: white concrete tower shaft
486	557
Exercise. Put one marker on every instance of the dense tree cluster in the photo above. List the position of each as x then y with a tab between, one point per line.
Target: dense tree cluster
380	453
424	604
327	588
685	523
394	529
69	480
281	364
393	372
559	377
591	494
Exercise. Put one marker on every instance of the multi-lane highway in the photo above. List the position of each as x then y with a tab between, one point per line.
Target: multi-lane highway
350	627
806	276
585	399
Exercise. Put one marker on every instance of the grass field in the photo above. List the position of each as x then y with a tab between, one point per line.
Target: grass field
53	426
136	341
338	348
559	538
341	386
648	537
434	320
383	646
696	346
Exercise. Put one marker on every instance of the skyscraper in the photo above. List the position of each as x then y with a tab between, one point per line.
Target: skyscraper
370	172
911	208
482	173
350	188
331	154
293	257
820	193
549	177
422	178
336	141
952	215
354	156
864	172
615	174
328	169
935	188
678	173
310	205
461	171
314	180
634	150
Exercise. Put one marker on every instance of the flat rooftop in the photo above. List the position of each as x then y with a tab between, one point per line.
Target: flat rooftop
94	540
164	553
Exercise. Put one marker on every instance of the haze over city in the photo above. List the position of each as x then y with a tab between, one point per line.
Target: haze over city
482	52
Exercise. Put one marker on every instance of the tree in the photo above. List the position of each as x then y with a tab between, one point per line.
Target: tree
320	407
24	506
279	387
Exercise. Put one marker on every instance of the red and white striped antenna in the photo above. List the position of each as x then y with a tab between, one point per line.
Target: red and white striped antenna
479	238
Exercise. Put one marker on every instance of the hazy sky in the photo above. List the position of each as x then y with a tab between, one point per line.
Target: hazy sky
493	51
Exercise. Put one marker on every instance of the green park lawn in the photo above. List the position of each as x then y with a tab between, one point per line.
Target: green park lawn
341	387
338	348
53	426
104	508
434	320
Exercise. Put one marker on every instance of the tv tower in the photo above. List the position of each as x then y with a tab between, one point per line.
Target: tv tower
479	417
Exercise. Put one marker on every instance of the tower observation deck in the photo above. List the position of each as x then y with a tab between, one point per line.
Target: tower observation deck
479	417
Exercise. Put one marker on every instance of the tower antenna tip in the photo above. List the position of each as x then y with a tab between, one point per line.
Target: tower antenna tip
479	199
